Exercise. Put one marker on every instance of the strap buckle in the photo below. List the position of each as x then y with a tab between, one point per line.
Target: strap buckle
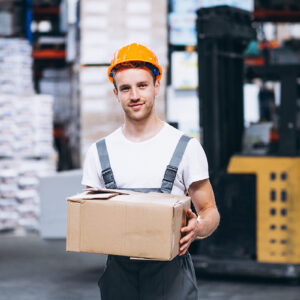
170	173
168	180
108	178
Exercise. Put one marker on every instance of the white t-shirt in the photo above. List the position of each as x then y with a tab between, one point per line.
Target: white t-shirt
143	164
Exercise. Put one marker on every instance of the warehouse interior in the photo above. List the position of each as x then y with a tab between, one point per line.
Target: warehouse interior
231	79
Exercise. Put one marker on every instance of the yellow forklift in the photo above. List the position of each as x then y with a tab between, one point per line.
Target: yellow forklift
258	195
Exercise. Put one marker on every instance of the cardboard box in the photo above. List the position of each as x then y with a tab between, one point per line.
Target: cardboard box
126	223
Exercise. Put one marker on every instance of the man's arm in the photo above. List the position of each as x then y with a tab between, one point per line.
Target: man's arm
208	219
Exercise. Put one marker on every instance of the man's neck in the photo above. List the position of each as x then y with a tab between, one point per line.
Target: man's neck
142	130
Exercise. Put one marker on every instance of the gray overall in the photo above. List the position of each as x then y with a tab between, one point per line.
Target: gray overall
126	279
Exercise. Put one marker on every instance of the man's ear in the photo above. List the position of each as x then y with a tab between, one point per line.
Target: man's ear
116	94
157	87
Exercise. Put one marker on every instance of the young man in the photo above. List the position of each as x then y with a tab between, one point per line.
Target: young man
146	154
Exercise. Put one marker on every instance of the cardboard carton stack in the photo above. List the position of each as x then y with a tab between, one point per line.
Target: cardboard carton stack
26	141
105	27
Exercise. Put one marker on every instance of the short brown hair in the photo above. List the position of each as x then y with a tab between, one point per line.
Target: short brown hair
135	64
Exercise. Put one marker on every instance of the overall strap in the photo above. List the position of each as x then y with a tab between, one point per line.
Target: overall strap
172	168
107	172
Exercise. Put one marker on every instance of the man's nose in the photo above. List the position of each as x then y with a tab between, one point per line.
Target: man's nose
134	94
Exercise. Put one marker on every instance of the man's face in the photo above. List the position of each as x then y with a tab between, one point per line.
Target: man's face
136	92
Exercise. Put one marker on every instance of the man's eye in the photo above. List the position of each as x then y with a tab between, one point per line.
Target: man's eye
124	89
143	85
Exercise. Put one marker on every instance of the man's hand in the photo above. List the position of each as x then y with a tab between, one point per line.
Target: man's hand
204	202
189	233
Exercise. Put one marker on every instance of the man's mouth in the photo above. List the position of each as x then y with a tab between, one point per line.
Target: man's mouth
136	105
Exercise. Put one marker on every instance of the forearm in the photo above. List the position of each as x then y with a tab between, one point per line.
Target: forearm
204	202
207	222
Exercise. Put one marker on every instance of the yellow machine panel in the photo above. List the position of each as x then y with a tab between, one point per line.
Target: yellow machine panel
278	205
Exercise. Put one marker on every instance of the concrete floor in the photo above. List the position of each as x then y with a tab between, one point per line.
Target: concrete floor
35	269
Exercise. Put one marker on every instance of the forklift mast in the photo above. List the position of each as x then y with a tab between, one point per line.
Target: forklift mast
223	34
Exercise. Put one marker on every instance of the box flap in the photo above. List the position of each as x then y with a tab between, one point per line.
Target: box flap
86	196
95	194
103	196
99	191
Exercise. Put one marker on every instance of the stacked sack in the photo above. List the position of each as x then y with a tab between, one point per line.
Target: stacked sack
15	66
26	139
19	198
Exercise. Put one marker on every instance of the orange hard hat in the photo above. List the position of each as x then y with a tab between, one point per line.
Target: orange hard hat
135	52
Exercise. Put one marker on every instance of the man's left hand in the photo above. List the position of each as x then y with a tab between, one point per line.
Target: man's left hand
188	232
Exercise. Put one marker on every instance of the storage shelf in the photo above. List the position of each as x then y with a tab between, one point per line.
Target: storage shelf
96	65
24	157
49	54
254	61
276	15
45	10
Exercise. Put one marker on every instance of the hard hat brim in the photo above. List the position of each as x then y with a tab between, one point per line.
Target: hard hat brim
110	69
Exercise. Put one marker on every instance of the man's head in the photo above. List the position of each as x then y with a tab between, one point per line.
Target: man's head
136	74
